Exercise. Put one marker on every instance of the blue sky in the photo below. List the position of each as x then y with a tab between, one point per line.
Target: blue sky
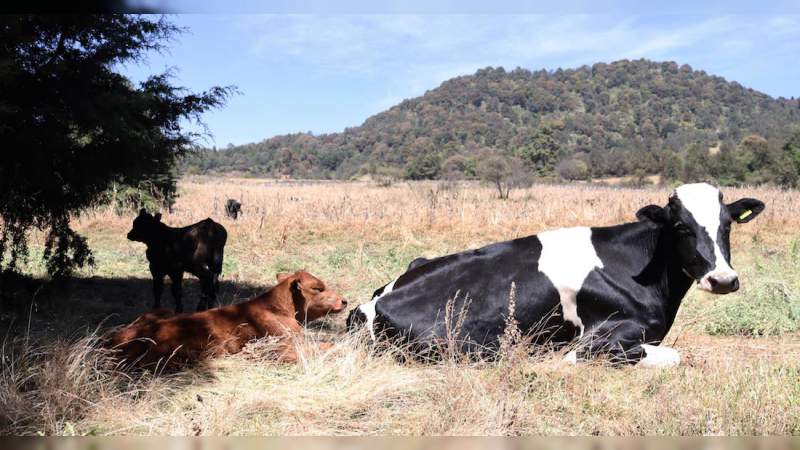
322	73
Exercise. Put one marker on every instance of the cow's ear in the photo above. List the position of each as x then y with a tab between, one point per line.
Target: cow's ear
746	209
653	213
281	276
142	212
158	217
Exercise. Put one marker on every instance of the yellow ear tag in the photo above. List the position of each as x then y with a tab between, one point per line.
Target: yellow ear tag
744	215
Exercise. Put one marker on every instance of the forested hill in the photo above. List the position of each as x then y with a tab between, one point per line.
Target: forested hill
611	119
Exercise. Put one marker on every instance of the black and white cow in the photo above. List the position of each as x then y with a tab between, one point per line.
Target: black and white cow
618	288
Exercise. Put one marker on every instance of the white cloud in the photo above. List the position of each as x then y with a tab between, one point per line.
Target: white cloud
416	53
658	43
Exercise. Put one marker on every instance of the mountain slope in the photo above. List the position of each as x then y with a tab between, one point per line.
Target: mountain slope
617	118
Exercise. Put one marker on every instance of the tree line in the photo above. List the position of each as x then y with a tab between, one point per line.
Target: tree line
626	118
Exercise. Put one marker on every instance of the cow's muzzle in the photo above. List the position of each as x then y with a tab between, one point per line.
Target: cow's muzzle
720	283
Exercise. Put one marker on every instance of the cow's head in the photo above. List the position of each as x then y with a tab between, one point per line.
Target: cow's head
700	225
312	298
145	227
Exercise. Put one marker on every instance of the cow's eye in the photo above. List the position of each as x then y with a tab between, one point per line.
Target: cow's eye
317	289
681	228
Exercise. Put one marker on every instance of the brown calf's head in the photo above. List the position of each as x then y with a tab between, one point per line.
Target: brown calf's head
145	227
312	298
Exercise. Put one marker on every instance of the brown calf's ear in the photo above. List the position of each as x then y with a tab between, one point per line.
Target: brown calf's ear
281	276
744	210
653	213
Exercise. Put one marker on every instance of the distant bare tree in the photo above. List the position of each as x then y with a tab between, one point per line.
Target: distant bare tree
504	173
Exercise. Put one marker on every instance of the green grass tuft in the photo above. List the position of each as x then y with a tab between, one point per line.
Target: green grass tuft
769	303
770	309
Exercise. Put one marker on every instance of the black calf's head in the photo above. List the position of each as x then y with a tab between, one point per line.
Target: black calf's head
145	227
700	225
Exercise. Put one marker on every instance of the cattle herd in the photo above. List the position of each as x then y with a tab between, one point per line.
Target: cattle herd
612	291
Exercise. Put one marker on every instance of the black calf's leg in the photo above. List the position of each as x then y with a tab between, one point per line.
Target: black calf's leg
158	289
177	282
207	297
213	288
215	285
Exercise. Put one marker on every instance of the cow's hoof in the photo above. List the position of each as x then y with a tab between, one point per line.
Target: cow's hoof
571	358
659	357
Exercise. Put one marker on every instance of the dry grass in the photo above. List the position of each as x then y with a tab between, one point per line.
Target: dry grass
357	236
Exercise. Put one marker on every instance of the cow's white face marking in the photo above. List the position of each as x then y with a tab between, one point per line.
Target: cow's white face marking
703	202
567	258
369	308
659	357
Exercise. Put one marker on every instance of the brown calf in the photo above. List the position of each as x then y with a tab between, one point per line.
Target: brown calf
163	339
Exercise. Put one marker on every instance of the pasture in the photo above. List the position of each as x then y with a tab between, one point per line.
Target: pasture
741	352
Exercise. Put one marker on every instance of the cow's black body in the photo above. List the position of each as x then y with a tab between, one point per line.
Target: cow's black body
197	249
620	304
631	300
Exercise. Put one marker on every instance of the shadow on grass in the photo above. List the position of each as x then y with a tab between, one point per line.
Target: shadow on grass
45	310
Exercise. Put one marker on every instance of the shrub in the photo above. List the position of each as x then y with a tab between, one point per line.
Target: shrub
148	195
424	168
385	176
573	169
454	167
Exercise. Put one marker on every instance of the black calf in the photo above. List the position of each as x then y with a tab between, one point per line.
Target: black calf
233	209
197	249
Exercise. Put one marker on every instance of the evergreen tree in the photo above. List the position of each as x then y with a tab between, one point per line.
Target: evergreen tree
72	126
695	164
541	154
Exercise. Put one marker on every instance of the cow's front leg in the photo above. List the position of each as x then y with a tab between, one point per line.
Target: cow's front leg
207	297
627	345
619	342
657	356
158	289
177	281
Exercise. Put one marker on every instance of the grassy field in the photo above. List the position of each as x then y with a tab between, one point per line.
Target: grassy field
741	371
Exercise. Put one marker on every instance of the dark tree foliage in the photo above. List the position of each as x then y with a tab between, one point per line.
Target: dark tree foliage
71	125
792	149
426	167
540	153
628	117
